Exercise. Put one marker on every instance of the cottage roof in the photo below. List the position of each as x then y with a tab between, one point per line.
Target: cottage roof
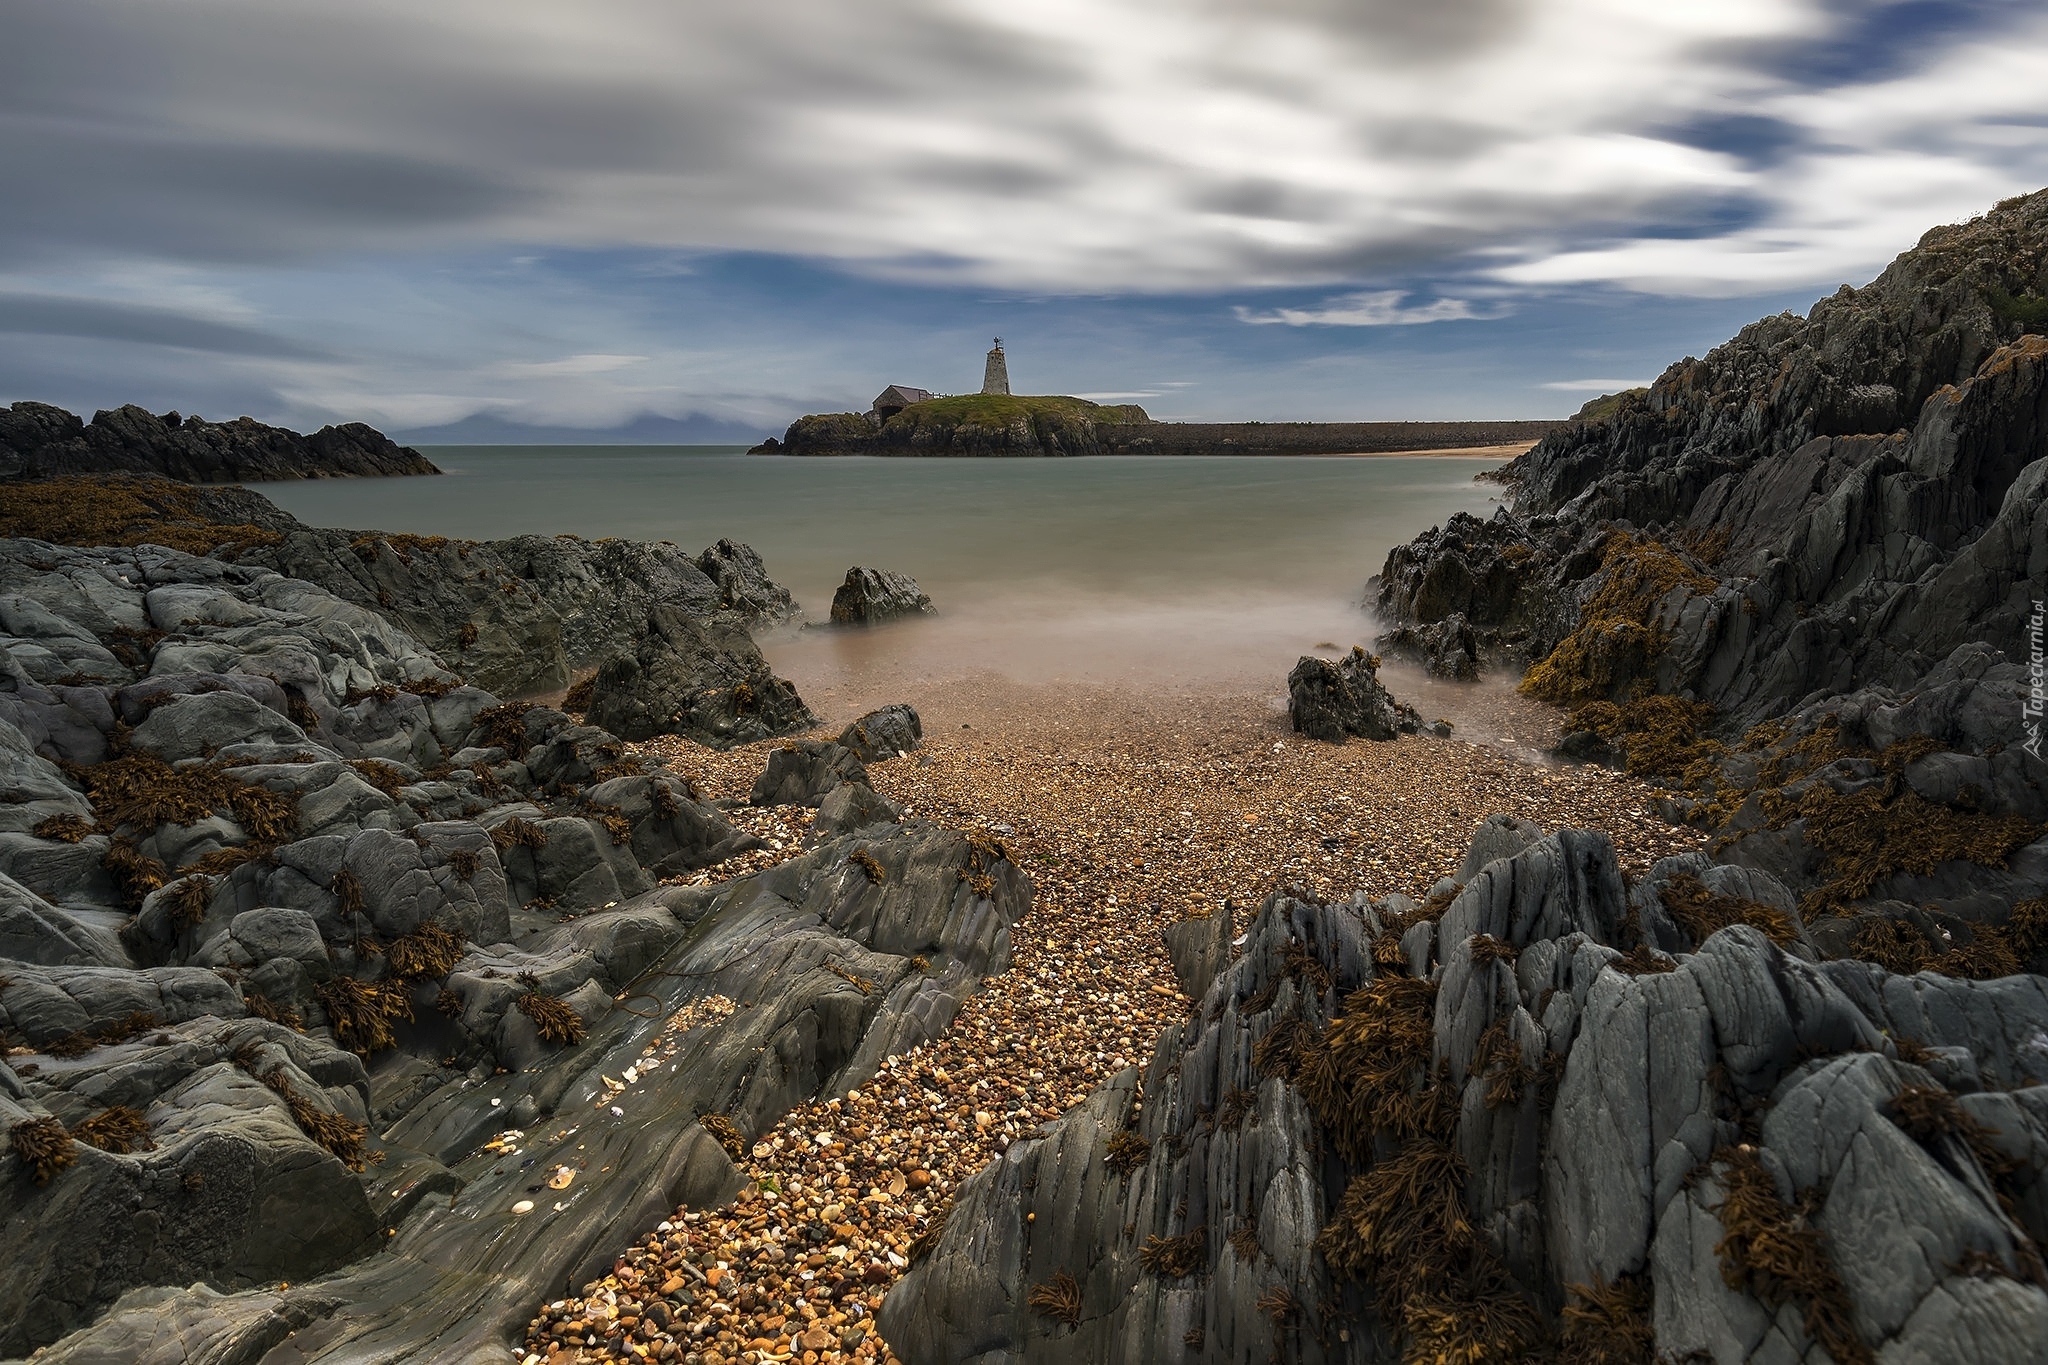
901	395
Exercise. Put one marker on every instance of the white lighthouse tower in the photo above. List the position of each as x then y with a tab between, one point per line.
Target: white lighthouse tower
995	378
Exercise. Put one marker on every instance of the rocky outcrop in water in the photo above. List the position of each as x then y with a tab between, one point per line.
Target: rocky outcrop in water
872	597
1539	1112
309	950
39	441
971	425
1761	576
521	617
987	425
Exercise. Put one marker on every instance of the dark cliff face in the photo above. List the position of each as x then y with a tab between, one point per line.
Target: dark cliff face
1795	581
40	441
1815	470
1864	361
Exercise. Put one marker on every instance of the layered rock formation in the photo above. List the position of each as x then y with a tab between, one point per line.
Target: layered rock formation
309	949
1540	1112
522	616
39	441
1761	577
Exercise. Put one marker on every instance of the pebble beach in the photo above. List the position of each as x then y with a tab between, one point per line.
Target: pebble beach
1129	810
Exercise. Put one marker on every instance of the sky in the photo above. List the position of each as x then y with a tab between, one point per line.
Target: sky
688	220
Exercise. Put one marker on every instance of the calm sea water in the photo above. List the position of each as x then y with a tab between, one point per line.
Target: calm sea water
1200	571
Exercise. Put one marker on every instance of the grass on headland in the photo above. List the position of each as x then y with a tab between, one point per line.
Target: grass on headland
1002	409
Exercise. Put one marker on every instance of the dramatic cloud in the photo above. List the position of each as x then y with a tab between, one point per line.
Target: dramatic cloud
100	319
1480	156
1373	308
1062	144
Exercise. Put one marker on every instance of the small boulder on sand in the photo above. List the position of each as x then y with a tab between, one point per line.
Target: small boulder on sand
1331	701
887	733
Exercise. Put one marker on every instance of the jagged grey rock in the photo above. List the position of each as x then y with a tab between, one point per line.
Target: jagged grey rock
806	1031
1664	1069
851	806
523	616
1333	701
1199	949
1848	502
33	930
701	678
803	772
871	597
412	800
673	832
1054	1204
199	725
884	734
1448	648
232	1192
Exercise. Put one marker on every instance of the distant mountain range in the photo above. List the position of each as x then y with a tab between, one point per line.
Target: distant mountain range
484	429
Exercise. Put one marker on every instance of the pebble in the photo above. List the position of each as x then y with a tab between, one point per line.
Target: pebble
1128	814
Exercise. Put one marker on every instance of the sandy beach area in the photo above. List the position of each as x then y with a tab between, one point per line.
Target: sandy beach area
1129	808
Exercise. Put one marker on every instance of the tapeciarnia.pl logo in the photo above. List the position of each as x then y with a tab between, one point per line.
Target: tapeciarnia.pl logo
2037	681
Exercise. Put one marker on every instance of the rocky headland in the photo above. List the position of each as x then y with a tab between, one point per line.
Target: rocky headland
1797	583
40	441
1002	425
